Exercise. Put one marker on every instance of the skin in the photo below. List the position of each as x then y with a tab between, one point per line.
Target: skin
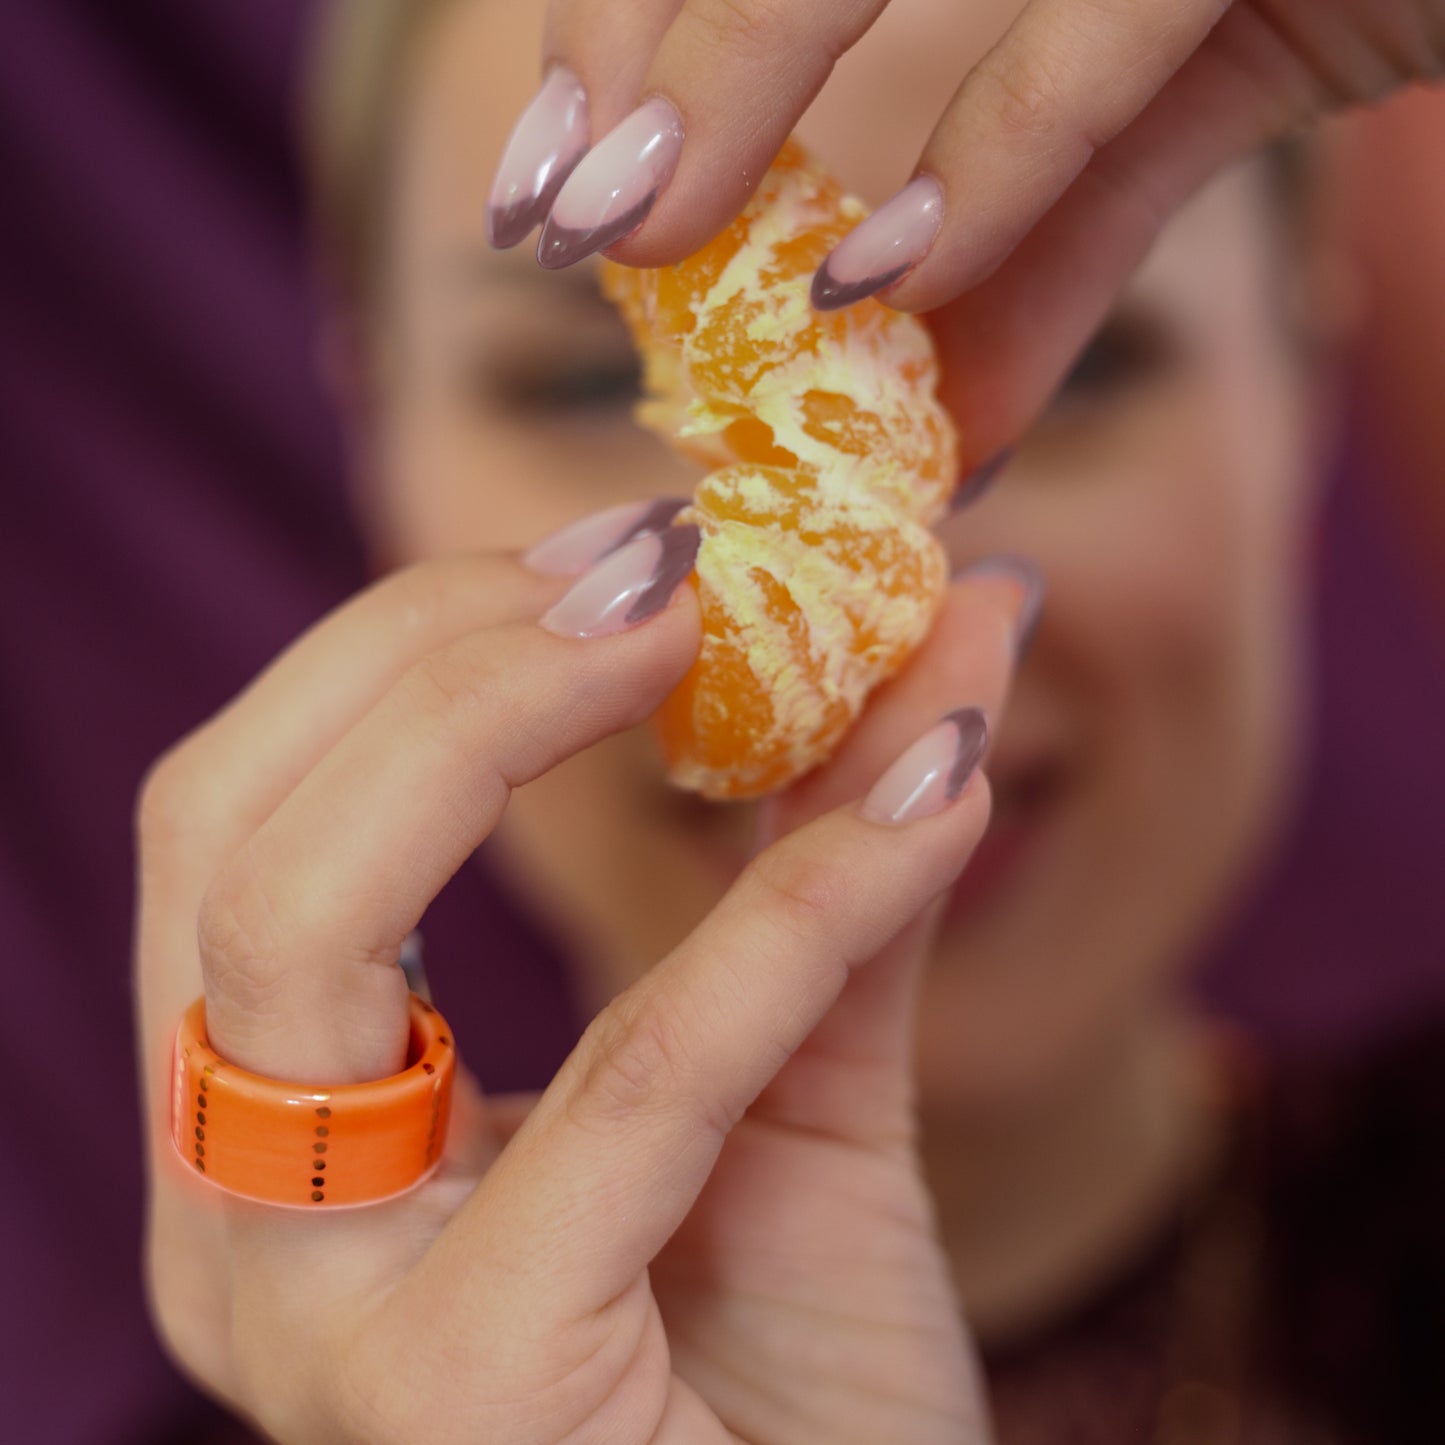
1061	148
1143	659
663	1255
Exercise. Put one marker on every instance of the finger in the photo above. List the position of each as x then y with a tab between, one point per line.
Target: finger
301	929
609	47
1064	80
1010	340
852	1077
969	655
732	77
198	803
595	54
615	1153
210	792
215	789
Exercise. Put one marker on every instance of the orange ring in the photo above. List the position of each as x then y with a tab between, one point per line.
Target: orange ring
306	1146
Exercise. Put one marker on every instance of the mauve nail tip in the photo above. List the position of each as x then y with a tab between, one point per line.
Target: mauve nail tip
659	515
561	246
679	549
509	226
827	294
980	480
972	728
657	518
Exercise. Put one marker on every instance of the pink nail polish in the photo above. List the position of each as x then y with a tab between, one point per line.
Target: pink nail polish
932	773
572	550
546	143
882	249
628	586
1029	577
610	193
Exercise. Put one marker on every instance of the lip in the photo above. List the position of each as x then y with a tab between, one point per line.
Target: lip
717	833
1030	789
1028	801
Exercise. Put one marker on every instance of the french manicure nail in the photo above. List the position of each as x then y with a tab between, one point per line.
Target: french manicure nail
546	143
611	191
577	546
882	249
980	480
1027	574
627	587
932	773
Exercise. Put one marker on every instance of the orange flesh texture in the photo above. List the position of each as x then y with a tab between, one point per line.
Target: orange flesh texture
817	576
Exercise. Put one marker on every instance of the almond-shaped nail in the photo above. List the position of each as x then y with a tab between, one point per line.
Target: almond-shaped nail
611	191
972	487
544	147
882	249
932	773
571	550
629	586
1030	579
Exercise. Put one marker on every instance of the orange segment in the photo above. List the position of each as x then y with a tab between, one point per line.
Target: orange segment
817	575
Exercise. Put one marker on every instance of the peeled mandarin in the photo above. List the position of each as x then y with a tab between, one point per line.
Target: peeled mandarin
817	576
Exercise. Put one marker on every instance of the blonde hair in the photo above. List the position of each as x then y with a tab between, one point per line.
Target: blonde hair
359	52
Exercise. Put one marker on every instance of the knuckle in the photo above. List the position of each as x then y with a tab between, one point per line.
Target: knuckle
798	892
637	1059
175	797
1026	97
751	28
425	595
239	935
451	693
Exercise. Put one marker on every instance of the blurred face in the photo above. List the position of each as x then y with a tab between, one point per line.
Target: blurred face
1164	495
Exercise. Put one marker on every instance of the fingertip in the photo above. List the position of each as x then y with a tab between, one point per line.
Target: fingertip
1019	585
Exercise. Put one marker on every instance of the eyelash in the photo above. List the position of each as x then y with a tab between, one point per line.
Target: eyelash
587	387
1120	357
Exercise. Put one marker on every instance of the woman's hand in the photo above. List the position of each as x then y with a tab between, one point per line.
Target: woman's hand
711	1226
1049	174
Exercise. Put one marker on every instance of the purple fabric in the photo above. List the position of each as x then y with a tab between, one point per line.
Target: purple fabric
174	512
1343	940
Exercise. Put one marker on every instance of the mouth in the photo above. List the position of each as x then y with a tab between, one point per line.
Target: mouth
719	833
1028	799
1030	794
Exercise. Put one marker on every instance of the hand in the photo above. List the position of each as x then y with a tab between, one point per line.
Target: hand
1052	169
711	1226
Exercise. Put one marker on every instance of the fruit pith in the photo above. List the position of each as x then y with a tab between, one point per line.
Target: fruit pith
817	575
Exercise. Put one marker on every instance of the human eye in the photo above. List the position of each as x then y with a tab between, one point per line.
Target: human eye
563	387
1128	354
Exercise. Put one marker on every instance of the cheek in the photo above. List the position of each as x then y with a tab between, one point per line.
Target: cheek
1166	660
1177	574
452	478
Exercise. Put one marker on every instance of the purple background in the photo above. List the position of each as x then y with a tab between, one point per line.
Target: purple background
174	513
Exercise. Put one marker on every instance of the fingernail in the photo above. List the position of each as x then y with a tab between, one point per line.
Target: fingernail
1030	579
610	193
546	143
629	586
577	546
932	773
882	249
978	481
